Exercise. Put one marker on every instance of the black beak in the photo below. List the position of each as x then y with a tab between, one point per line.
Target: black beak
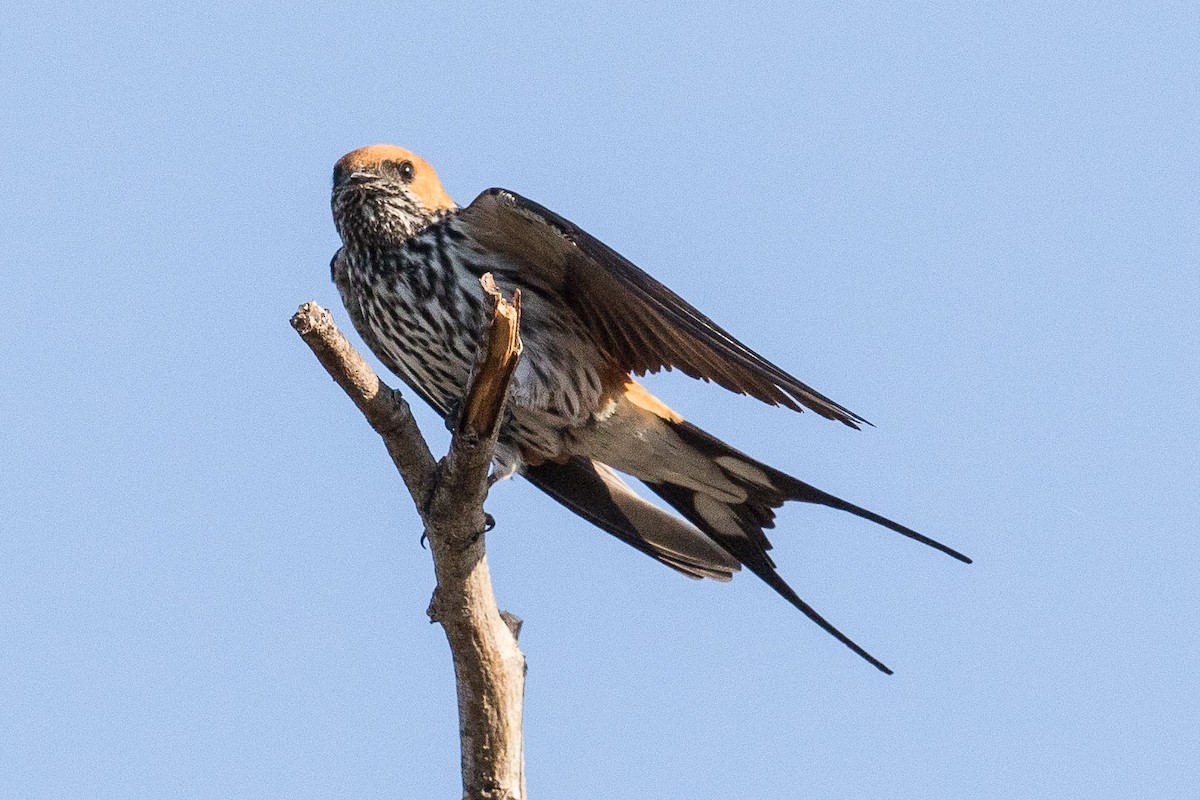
342	176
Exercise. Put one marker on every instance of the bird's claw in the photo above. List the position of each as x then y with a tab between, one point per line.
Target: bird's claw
489	522
453	412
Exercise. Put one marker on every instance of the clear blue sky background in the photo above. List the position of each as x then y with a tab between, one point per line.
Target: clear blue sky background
975	226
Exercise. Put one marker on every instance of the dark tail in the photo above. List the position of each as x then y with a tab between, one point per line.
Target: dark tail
738	527
596	492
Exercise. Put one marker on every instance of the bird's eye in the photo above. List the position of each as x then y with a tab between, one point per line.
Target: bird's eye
402	170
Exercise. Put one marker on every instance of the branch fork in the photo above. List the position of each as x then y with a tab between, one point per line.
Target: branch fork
489	667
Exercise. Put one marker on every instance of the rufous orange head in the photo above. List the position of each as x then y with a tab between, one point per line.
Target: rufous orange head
386	191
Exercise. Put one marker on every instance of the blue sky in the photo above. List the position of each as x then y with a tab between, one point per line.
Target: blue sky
976	226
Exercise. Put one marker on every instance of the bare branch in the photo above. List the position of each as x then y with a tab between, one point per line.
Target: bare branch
489	667
384	408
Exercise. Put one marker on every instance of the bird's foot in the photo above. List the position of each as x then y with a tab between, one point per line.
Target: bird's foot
489	522
453	412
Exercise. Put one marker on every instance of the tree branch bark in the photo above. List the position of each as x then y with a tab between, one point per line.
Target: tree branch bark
489	667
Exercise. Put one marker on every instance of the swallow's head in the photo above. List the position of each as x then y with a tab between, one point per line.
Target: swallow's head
384	192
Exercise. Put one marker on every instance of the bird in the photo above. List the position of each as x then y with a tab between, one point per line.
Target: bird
577	420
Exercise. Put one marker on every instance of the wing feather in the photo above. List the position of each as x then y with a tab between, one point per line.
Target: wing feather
642	324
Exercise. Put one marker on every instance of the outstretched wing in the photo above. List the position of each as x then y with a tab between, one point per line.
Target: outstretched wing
642	324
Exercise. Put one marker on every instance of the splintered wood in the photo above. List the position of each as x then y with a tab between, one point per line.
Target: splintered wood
495	362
